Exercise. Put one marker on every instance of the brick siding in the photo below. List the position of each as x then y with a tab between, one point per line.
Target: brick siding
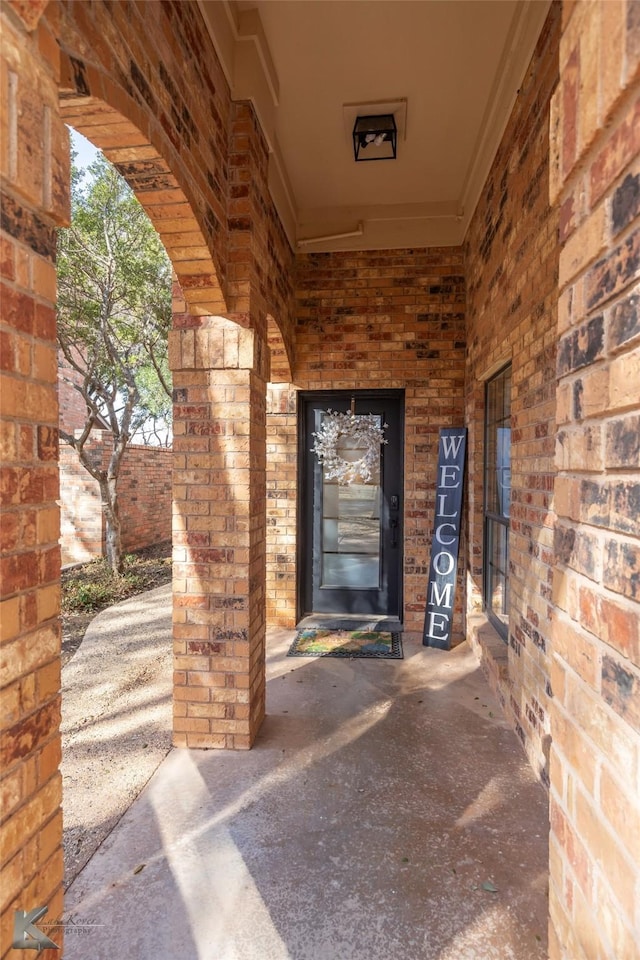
282	505
511	259
595	668
35	199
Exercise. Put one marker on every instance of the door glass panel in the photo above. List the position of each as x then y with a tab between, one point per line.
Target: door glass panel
351	528
349	570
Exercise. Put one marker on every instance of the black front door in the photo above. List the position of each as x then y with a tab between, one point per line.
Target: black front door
351	535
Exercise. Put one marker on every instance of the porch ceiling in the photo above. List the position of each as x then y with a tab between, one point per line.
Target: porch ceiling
458	64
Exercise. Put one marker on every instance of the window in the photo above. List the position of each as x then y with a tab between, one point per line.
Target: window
497	499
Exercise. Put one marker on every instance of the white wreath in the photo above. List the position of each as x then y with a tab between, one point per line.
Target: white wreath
365	431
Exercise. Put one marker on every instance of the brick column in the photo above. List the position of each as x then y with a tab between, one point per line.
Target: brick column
34	160
595	669
219	375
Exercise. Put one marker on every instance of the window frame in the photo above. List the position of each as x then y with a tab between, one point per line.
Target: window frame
495	520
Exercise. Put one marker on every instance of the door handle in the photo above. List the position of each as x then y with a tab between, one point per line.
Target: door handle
393	523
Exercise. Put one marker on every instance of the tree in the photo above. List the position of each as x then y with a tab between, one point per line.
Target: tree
114	316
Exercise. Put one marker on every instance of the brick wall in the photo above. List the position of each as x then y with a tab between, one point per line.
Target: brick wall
261	262
282	507
145	496
390	319
144	493
511	260
70	403
35	199
595	768
81	520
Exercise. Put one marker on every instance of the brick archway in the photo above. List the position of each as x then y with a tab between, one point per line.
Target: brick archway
220	369
279	353
153	183
198	165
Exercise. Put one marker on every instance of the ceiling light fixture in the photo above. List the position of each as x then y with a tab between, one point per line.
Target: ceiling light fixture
375	137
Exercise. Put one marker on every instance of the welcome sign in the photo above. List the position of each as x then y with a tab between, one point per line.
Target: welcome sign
441	588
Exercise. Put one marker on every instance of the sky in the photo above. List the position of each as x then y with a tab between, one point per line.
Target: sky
85	150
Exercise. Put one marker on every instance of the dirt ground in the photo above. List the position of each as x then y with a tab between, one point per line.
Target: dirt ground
88	588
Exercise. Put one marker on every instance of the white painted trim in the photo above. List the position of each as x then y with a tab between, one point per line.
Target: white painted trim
523	37
333	236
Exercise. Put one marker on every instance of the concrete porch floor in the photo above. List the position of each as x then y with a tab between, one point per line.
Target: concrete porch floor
386	811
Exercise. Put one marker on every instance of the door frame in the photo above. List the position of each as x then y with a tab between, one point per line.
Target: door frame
304	557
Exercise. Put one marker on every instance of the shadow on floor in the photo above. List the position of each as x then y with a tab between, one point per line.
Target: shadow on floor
386	811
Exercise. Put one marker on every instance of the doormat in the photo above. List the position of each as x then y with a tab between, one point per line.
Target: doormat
374	644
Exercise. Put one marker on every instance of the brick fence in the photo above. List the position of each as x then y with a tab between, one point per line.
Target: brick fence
144	489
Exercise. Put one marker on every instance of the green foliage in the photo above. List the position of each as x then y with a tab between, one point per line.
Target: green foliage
93	586
114	302
88	596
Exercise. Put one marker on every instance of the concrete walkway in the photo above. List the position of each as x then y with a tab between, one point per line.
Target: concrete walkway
116	719
386	812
